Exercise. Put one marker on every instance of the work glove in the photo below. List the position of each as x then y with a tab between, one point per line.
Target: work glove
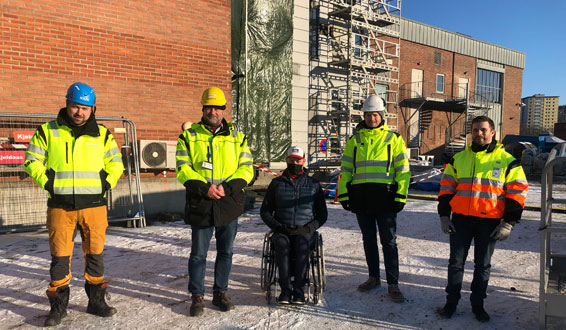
105	184
397	207
290	230
303	229
502	231
313	226
49	184
309	228
278	228
346	205
446	225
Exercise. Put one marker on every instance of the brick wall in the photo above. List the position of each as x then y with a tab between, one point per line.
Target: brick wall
421	57
454	66
512	89
146	60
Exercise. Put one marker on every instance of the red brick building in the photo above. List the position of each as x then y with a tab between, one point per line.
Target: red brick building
146	60
434	56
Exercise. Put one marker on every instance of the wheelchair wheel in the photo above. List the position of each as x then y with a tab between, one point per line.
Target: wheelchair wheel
322	264
317	269
268	276
265	258
271	283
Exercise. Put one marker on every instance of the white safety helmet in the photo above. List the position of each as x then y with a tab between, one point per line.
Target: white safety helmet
374	103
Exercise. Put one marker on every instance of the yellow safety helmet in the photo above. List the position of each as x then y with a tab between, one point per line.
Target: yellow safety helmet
213	97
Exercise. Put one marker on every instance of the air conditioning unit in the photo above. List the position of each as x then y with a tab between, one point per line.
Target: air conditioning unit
157	154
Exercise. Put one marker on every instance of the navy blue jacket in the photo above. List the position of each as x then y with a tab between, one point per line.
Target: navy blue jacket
294	202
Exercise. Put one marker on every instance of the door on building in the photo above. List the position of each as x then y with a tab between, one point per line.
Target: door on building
495	114
416	83
416	92
463	87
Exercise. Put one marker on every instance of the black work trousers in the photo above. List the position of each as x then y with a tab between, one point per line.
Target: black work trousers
468	229
296	249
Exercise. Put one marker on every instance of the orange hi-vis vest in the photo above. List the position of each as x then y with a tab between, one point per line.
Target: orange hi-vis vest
482	181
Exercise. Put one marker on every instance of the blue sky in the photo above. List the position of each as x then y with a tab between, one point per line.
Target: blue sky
536	28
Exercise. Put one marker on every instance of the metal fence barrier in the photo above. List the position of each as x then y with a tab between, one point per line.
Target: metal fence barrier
24	205
552	296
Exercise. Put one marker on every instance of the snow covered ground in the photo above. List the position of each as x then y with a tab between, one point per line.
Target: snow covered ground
147	271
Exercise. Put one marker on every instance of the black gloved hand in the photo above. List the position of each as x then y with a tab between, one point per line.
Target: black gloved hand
346	205
290	230
106	186
303	229
397	207
313	226
48	186
277	227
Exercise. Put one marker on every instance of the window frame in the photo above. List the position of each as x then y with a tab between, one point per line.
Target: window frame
438	75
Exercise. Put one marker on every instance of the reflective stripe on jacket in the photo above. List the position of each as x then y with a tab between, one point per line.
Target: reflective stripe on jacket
479	183
374	162
204	158
76	171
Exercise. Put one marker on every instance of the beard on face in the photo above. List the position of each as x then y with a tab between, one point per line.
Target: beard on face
77	119
212	120
480	140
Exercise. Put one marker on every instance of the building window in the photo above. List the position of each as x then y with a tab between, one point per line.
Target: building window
314	48
488	86
437	58
440	83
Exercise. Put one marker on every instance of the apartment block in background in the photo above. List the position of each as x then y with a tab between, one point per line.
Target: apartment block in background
538	114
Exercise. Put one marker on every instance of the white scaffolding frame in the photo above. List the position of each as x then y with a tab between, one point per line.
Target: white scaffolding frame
357	54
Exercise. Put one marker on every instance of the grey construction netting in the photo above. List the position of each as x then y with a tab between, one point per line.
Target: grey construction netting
265	117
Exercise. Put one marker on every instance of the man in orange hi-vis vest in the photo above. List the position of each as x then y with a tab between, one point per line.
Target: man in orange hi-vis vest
484	188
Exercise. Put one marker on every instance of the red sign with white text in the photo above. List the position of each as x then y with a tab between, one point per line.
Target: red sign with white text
12	157
23	136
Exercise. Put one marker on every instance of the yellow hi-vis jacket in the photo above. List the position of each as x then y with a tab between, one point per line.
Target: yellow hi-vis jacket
76	171
485	184
205	158
375	170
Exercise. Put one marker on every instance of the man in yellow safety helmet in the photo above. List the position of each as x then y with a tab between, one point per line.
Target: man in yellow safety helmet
76	161
374	182
214	164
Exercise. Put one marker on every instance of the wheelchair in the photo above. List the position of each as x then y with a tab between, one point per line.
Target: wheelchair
315	279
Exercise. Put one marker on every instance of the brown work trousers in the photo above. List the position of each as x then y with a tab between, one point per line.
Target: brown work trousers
61	223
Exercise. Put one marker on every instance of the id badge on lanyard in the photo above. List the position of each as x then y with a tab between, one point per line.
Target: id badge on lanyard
207	164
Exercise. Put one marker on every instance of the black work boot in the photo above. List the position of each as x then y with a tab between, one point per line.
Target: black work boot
480	313
96	303
222	301
370	284
447	311
59	300
197	305
298	296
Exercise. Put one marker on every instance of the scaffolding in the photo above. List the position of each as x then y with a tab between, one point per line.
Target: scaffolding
354	52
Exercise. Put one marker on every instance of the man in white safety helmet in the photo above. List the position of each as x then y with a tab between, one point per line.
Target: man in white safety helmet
374	182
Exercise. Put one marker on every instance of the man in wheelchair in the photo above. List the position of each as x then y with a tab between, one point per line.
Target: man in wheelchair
294	208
